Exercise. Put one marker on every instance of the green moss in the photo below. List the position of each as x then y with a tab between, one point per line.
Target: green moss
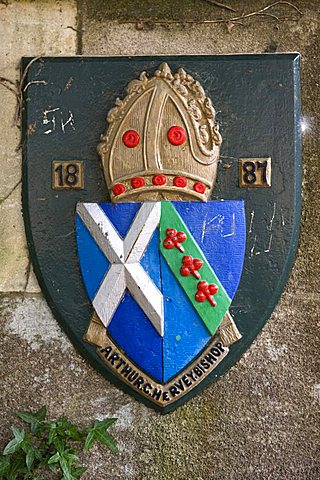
178	441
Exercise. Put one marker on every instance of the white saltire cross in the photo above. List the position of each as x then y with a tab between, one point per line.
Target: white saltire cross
124	256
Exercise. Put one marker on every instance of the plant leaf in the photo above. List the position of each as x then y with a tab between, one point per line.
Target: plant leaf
89	440
107	440
18	434
41	413
54	468
4	465
52	434
54	459
12	446
104	424
17	466
58	443
71	457
65	468
30	458
78	471
27	417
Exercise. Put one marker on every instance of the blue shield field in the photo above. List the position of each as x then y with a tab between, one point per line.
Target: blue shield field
217	232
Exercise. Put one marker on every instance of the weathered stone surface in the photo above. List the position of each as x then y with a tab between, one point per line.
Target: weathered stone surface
262	419
26	29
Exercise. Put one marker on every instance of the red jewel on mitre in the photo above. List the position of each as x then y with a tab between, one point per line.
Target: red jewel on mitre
118	188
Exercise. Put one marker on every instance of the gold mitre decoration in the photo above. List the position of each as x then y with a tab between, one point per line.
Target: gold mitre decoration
162	142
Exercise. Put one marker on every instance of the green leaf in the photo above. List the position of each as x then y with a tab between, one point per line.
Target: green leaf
71	457
73	432
53	467
78	471
52	434
89	440
27	417
41	413
12	446
18	434
4	465
107	440
30	458
58	443
34	419
37	453
54	459
65	468
17	466
104	424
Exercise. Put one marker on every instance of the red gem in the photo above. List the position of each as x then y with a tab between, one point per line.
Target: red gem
171	232
190	266
118	188
137	182
200	296
177	135
185	271
168	243
187	260
131	138
202	286
181	237
206	292
213	289
199	187
173	239
180	182
159	179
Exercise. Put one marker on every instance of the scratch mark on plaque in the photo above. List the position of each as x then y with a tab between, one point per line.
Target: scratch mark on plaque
272	218
69	121
251	221
35	82
46	120
204	228
66	235
253	246
50	119
233	227
269	245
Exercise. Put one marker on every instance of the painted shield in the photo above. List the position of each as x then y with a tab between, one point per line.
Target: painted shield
162	242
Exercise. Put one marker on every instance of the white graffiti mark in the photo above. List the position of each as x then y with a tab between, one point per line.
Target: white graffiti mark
47	120
35	82
218	222
69	121
272	218
269	245
267	249
251	221
233	228
55	118
253	246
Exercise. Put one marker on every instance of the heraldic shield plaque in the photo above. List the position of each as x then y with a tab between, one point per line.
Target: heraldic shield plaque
161	199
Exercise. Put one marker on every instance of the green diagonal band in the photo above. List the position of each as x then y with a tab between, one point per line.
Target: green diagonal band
211	316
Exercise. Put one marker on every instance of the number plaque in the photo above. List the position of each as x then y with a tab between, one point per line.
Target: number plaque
67	174
255	172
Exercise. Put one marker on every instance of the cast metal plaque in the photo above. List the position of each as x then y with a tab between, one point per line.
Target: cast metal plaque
157	256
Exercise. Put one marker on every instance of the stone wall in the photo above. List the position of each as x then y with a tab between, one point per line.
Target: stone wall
262	419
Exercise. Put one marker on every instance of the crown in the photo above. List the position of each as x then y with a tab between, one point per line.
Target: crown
162	141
